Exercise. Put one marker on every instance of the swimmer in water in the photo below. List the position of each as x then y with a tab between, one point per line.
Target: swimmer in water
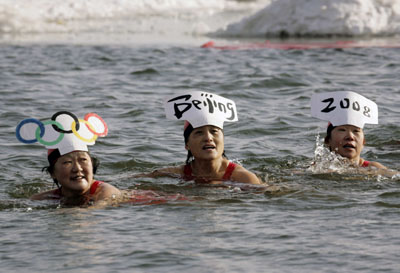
70	165
204	114
206	161
347	112
348	141
73	168
73	173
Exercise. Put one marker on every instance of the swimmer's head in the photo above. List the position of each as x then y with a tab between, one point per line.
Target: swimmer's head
54	154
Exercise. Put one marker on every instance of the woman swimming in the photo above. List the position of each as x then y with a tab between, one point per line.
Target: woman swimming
206	161
347	112
348	141
204	115
72	167
73	173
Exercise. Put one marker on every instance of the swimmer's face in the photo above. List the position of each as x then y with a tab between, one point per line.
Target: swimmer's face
206	142
347	140
74	172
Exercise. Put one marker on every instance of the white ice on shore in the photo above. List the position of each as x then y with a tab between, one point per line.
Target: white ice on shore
319	18
196	18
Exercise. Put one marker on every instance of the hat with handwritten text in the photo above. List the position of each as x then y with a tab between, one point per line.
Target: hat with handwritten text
344	107
201	108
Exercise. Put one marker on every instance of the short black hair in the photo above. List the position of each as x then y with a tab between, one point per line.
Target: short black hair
186	133
329	132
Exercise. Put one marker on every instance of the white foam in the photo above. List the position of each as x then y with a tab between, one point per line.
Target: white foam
320	18
326	161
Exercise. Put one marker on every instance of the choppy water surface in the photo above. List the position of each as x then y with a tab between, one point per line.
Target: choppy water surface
317	223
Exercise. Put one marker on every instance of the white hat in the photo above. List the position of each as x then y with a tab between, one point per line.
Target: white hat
344	107
201	108
64	131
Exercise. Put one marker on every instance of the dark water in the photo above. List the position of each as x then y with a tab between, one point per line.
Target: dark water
316	223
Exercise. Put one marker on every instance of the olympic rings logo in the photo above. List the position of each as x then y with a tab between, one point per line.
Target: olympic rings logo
93	122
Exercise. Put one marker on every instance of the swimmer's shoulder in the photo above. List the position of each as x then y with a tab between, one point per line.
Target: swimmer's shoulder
106	190
373	164
378	168
242	175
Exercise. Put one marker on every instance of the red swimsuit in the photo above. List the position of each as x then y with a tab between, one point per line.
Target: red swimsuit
95	185
187	172
365	163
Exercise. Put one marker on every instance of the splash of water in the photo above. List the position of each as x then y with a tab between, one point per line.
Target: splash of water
326	161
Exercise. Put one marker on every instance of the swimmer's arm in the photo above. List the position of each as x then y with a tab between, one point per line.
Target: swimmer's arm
378	168
387	172
242	175
383	170
170	171
377	165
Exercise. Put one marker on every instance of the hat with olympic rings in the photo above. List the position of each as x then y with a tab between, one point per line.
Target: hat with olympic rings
63	131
